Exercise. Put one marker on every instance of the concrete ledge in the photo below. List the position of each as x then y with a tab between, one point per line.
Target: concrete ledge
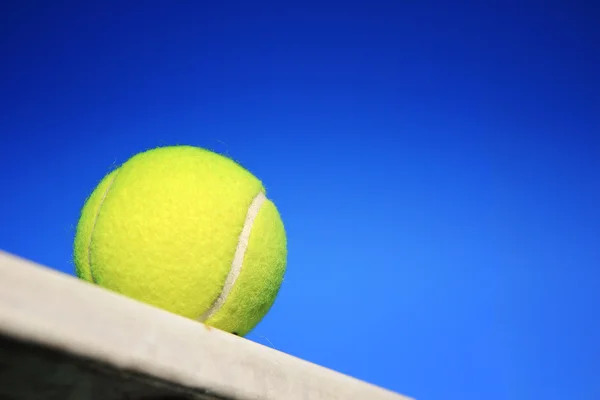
62	338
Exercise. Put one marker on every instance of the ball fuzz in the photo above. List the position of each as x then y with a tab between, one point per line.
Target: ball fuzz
186	230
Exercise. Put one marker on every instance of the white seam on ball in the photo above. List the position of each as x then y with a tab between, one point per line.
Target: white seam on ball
238	258
94	225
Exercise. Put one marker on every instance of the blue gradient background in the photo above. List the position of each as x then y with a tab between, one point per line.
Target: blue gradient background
436	165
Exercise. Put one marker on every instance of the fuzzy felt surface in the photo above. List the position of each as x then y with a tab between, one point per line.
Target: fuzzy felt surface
261	275
163	229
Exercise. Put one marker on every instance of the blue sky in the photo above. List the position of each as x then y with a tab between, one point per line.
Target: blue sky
436	165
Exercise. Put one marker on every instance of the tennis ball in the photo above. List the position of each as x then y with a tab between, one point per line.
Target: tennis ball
186	230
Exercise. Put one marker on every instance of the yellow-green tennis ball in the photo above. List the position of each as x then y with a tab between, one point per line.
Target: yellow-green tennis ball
187	230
